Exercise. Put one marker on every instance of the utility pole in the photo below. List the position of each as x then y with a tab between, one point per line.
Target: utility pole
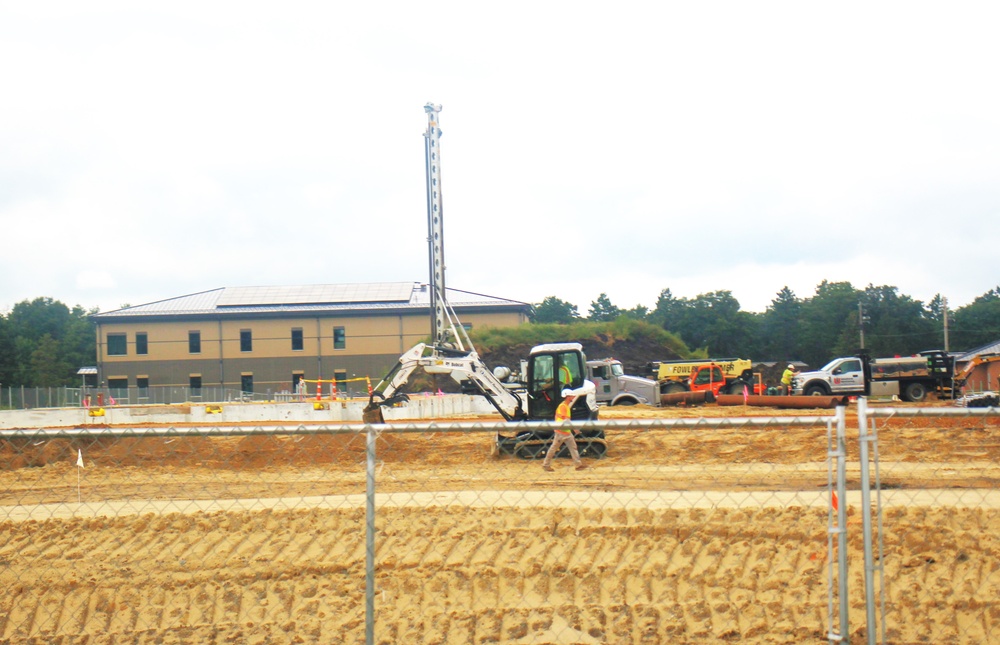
861	322
944	302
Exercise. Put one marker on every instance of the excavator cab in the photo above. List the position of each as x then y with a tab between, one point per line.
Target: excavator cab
552	369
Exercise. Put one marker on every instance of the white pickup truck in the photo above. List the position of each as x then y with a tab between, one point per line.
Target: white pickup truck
909	377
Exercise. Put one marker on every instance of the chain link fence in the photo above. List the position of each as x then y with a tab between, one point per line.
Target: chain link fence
695	530
29	398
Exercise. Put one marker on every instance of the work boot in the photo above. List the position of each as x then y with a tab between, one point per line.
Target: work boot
547	468
581	466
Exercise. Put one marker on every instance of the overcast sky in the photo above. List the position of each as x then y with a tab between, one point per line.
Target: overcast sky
150	150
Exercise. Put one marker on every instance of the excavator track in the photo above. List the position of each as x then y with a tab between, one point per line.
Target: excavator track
534	445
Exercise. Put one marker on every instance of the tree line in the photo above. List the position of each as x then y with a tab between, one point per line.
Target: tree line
834	321
43	342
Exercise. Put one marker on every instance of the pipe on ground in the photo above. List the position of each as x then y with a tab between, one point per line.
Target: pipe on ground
686	398
799	402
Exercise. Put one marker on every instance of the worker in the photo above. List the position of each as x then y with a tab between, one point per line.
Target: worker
565	376
786	379
561	436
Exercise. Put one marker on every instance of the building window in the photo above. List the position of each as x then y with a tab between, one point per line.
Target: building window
194	342
142	382
341	378
246	383
119	383
194	382
297	343
117	345
141	343
339	338
246	340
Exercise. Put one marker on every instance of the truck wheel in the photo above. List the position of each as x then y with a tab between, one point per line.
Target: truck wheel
737	388
625	401
815	390
673	388
915	392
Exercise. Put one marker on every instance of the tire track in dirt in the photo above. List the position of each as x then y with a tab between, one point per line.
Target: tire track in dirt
453	574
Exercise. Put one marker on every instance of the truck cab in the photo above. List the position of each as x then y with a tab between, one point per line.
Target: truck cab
614	387
707	378
839	376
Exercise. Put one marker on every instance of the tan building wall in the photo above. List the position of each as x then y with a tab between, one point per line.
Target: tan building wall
372	343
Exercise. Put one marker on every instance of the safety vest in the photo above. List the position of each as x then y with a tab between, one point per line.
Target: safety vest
563	414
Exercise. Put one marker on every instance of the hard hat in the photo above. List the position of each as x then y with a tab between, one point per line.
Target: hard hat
568	392
791	367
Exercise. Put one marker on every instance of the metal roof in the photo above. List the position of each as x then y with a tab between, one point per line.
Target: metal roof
306	299
991	348
316	294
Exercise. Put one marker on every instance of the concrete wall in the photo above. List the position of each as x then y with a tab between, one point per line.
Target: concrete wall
417	409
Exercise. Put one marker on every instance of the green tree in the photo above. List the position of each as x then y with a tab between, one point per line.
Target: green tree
896	324
45	334
38	317
667	310
554	310
48	365
638	312
79	343
711	322
977	323
825	317
601	310
7	364
779	327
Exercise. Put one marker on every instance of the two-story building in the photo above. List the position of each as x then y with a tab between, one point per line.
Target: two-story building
263	340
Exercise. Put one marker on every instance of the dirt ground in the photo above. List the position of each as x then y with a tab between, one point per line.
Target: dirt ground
680	535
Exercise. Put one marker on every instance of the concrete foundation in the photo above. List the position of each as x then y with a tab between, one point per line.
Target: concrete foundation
419	407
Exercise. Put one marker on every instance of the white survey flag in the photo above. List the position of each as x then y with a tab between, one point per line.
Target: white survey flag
79	458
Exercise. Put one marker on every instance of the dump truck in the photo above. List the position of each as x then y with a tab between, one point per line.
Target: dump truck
716	375
908	377
614	387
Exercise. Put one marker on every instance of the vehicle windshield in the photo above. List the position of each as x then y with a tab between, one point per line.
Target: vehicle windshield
617	369
829	366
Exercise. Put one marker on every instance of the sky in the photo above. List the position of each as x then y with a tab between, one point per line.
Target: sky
157	149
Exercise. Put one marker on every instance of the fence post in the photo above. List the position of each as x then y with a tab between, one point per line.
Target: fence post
837	450
866	518
369	535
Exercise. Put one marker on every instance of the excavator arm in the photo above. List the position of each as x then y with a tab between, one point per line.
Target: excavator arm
962	377
462	365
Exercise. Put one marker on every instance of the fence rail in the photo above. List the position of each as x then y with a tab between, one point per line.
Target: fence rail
27	398
699	529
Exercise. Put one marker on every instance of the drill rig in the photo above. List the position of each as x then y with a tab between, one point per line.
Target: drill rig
451	352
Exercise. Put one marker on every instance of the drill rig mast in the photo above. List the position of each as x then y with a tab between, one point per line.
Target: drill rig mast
451	351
